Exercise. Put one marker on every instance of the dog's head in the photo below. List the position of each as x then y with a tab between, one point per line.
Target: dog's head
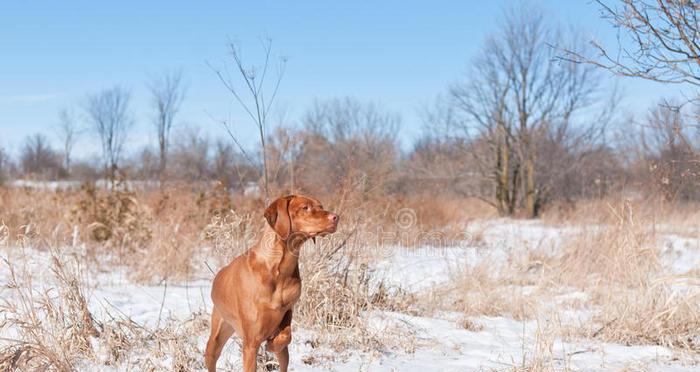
295	215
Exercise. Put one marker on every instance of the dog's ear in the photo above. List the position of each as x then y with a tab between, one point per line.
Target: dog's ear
277	215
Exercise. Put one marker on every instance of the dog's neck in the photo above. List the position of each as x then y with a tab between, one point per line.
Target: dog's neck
280	256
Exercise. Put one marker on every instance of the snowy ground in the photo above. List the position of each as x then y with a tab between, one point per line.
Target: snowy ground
440	342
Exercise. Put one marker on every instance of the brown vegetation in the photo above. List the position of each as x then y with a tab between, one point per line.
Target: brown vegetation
526	135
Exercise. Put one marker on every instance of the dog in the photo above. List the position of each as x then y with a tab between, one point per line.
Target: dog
255	294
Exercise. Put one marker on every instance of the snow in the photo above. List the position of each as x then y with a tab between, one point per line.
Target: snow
438	342
45	185
143	303
501	343
680	254
250	188
423	267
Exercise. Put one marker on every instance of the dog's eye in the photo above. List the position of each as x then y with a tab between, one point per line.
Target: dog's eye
306	208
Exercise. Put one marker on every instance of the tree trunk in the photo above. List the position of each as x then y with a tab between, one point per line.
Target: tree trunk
113	175
66	161
530	188
502	180
162	160
514	188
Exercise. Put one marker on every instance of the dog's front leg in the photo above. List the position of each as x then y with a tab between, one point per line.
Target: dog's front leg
278	344
250	354
220	332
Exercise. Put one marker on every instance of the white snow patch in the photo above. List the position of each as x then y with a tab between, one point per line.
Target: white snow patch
680	254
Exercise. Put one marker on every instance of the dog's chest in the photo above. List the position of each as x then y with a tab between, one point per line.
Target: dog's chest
286	293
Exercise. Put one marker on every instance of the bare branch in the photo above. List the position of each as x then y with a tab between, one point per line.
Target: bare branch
256	106
167	94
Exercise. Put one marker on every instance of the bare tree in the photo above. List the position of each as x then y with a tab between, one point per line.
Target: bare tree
669	152
167	94
442	158
230	167
108	112
256	95
284	147
143	164
223	162
38	158
191	155
659	40
520	101
349	144
484	101
67	130
4	165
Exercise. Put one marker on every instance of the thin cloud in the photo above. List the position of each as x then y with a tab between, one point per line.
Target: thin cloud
28	98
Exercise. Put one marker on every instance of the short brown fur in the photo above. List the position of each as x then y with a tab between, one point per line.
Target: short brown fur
255	294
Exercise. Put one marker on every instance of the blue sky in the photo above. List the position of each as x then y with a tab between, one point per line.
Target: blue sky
398	53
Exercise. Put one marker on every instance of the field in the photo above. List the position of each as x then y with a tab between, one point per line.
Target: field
120	281
517	182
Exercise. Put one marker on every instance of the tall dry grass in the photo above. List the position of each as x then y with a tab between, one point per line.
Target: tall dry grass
157	233
613	258
172	234
50	327
164	233
620	266
184	233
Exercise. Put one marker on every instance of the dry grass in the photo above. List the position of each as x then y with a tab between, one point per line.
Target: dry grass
172	234
54	325
483	291
541	357
652	315
619	266
164	235
470	325
654	212
160	232
157	233
615	261
339	288
624	253
50	327
230	233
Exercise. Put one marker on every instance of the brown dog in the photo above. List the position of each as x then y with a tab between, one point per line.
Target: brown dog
254	295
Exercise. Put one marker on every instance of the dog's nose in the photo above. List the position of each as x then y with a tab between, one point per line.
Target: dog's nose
333	217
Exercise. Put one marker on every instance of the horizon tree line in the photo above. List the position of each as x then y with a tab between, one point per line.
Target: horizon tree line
530	123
